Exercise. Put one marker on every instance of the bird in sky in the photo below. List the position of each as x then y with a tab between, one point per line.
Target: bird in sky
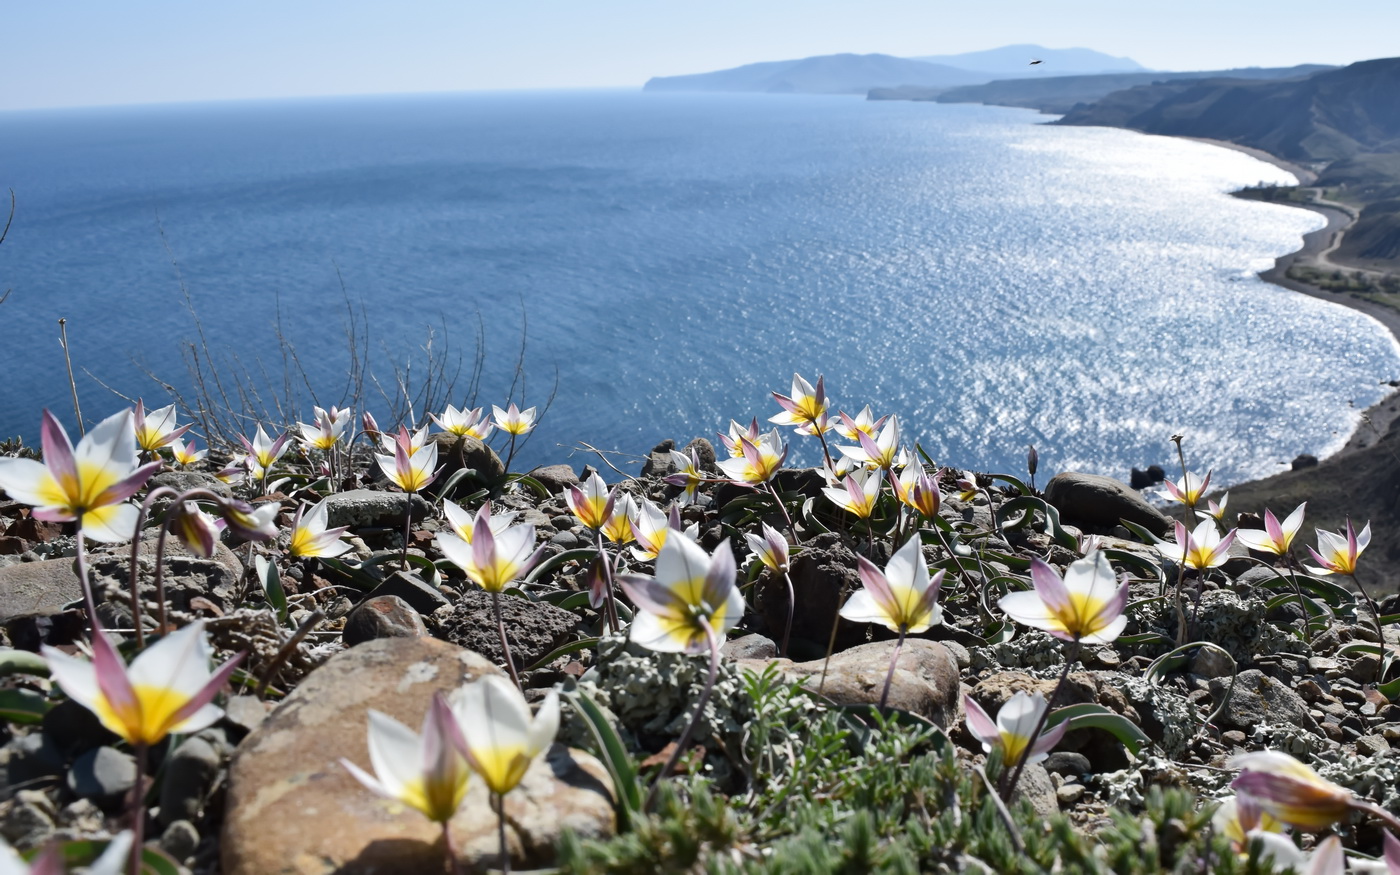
1035	61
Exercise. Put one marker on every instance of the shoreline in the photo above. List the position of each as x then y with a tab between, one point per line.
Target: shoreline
1377	419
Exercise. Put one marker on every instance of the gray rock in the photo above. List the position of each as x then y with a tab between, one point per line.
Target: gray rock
33	757
244	714
704	453
823	576
566	541
658	462
1259	699
37	589
419	594
1102	501
180	840
534	629
184	481
74	729
1211	663
555	478
925	678
190	771
382	617
1037	788
104	775
293	808
460	452
361	508
749	647
29	820
1066	763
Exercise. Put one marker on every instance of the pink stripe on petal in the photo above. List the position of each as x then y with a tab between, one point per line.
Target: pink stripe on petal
128	486
874	580
1049	586
1050	737
58	451
111	672
979	723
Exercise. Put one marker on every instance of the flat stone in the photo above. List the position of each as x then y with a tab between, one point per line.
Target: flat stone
37	589
385	616
925	678
749	647
1258	699
105	775
413	589
365	508
463	452
1067	763
293	809
1102	501
658	462
190	771
555	478
534	629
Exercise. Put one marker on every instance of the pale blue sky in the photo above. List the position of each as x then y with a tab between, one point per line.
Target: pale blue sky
88	52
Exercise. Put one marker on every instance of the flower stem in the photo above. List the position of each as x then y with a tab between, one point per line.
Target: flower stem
137	807
454	866
684	740
135	556
791	609
1070	657
894	660
792	530
505	644
826	451
1376	622
500	807
407	528
609	603
510	454
81	561
1371	808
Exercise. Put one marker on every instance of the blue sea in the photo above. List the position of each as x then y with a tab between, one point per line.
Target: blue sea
671	259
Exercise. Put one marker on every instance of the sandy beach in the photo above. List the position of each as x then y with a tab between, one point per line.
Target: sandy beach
1378	418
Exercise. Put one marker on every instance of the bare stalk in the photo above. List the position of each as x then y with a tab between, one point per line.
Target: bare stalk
689	733
894	660
505	644
68	360
1070	657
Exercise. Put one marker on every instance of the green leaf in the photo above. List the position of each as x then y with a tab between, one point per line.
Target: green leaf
1144	638
571	647
1016	483
559	560
271	582
529	482
84	852
1352	647
23	706
22	662
1142	534
1099	717
352	574
1390	689
618	761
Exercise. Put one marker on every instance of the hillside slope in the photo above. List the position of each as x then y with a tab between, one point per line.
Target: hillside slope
826	74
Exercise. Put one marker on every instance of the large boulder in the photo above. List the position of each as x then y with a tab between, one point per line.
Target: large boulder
37	589
359	508
1102	501
293	808
925	678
